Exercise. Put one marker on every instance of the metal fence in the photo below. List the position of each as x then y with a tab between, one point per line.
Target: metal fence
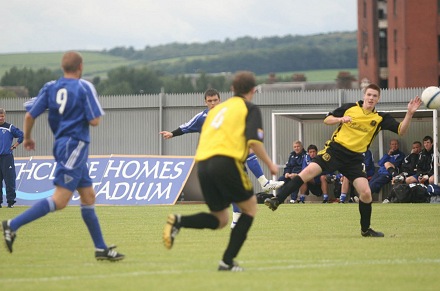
132	123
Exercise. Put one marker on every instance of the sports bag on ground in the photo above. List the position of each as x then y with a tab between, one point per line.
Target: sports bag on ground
412	193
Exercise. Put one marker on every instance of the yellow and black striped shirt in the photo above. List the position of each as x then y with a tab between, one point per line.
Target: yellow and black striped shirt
228	128
358	134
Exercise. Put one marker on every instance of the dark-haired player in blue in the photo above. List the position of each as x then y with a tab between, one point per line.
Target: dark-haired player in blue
73	106
212	99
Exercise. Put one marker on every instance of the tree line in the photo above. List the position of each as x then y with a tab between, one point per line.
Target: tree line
262	56
119	81
187	68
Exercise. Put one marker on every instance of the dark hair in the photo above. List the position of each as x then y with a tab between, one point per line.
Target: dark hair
312	147
212	92
243	83
427	138
373	87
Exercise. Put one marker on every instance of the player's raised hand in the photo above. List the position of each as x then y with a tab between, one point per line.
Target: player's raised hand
414	104
166	134
29	144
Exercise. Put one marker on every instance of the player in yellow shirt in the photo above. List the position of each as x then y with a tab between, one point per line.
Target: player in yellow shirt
358	124
229	131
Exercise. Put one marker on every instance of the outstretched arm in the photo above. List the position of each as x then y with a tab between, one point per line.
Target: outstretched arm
331	120
413	105
166	134
28	142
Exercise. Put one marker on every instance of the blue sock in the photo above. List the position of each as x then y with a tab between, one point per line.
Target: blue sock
91	220
302	198
39	209
254	165
342	197
235	208
325	196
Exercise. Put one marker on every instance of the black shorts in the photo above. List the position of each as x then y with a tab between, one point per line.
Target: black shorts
223	180
335	157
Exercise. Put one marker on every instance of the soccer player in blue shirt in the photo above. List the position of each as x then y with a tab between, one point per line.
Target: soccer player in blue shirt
7	165
73	106
212	98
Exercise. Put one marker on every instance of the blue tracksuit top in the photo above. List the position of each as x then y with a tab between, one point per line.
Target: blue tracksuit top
396	158
294	164
8	133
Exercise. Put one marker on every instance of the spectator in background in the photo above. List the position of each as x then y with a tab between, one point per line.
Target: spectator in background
319	185
348	187
425	165
388	167
409	164
7	164
407	169
294	166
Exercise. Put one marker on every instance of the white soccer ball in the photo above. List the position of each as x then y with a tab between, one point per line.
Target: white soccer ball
431	97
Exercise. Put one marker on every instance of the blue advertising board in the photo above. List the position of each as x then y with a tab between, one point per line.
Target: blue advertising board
117	179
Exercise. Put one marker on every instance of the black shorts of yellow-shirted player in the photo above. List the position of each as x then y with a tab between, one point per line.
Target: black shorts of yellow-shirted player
357	125
230	129
212	99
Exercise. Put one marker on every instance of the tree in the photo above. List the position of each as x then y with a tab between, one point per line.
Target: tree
7	93
345	80
125	80
178	84
33	81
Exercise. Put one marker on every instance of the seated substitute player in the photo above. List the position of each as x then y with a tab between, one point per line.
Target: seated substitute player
318	185
425	165
230	129
389	166
407	168
212	99
294	166
73	106
358	124
409	164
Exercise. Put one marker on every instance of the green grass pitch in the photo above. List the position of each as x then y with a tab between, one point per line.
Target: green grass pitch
297	247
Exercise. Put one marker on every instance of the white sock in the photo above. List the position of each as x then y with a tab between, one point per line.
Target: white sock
235	216
263	181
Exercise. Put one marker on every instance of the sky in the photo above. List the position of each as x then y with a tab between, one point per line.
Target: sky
54	25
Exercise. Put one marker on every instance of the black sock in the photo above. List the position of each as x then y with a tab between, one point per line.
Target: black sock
237	238
291	186
199	220
365	211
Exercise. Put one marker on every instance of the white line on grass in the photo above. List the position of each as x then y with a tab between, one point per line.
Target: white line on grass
284	264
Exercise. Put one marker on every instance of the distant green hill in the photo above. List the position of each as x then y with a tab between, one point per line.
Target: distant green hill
96	63
320	57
